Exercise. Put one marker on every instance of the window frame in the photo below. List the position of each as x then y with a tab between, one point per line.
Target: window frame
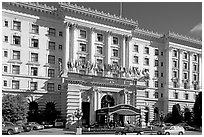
33	87
34	71
100	37
16	40
52	32
50	87
115	40
34	57
51	45
146	50
115	52
15	69
146	61
82	47
16	25
15	55
15	86
82	34
51	59
51	72
99	50
35	29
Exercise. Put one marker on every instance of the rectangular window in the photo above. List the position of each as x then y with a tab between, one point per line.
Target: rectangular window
156	73
34	57
5	83
82	59
156	63
99	50
176	95
174	53
186	96
35	29
194	77
33	86
156	84
146	50
162	74
174	84
162	53
135	59
136	48
156	52
185	55
60	47
99	37
146	94
146	61
5	38
51	45
195	87
115	40
51	73
60	33
15	84
195	67
51	59
50	86
147	83
82	34
34	43
185	85
5	53
15	69
16	55
51	32
34	71
162	64
5	68
175	64
16	40
156	94
162	85
17	25
194	57
185	65
82	47
59	87
115	53
185	75
6	23
175	74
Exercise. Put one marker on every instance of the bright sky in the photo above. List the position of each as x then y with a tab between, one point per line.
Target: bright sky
184	18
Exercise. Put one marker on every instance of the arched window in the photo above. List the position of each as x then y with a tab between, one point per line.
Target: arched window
107	101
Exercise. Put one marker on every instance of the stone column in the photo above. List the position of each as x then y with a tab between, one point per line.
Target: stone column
130	53
123	51
190	69
200	71
75	45
92	45
170	64
108	47
180	63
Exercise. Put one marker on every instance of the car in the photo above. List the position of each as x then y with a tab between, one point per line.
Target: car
47	124
128	128
59	123
173	130
35	126
10	128
186	127
25	128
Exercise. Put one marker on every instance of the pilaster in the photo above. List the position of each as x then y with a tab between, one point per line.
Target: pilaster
92	45
74	42
180	62
108	47
130	53
200	71
191	68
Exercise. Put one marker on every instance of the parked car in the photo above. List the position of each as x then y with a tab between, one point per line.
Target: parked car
186	127
25	128
173	130
10	128
35	126
129	128
47	124
59	123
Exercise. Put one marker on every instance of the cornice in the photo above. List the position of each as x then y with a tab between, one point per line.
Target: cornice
98	14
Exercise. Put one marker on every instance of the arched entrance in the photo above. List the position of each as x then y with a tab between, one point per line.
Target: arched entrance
33	111
50	113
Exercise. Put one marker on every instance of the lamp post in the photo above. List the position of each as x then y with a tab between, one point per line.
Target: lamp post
78	114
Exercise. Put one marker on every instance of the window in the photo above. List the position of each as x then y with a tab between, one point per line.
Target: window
60	47
99	61
51	59
194	77
162	64
34	43
33	86
16	40
156	73
174	84
185	75
17	25
51	45
156	63
59	87
51	73
34	71
5	38
156	84
176	95
161	95
34	57
5	83
147	83
136	48
5	68
16	55
99	37
174	53
82	59
146	61
146	94
135	59
162	74
156	52
186	96
175	64
35	29
156	94
194	57
51	32
185	65
175	74
60	34
195	86
15	84
185	55
162	53
6	23
60	60
195	67
5	53
82	34
50	86
115	53
15	69
146	50
185	85
99	50
82	47
162	85
115	40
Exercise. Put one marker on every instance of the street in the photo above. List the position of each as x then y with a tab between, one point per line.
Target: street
60	131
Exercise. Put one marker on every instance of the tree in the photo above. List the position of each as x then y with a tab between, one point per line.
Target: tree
176	114
197	110
187	115
14	108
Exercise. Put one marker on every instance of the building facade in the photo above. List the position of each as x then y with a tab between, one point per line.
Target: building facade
75	57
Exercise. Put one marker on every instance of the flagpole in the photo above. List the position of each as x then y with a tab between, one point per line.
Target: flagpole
121	8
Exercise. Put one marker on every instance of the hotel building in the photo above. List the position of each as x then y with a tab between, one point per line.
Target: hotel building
75	57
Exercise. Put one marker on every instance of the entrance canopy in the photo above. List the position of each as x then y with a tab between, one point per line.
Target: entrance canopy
121	109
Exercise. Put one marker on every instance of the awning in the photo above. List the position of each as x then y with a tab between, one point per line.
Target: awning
121	109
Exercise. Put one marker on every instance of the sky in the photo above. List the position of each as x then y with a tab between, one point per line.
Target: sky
184	18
